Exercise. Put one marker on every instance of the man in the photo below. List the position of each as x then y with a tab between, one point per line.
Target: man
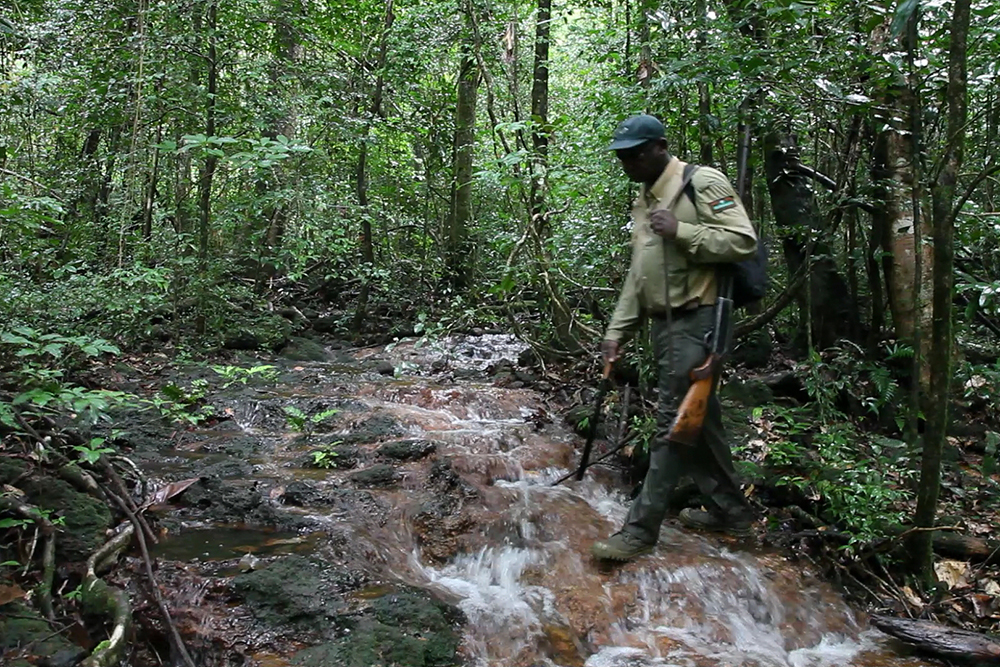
681	248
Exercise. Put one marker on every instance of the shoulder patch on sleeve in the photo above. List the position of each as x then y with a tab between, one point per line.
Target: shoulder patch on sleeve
720	205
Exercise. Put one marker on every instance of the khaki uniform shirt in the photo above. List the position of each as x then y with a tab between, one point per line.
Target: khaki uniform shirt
713	229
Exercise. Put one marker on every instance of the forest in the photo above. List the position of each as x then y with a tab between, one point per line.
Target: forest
244	244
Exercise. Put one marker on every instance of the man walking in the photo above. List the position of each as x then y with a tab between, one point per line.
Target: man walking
678	245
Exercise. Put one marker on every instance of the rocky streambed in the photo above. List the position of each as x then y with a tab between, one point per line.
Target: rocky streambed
393	506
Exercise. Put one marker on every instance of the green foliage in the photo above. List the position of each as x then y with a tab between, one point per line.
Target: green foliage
91	452
859	481
325	458
182	404
243	376
37	365
299	421
845	370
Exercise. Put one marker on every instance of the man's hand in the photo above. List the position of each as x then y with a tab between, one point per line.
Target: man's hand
609	350
664	223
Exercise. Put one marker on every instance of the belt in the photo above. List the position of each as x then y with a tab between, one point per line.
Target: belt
680	311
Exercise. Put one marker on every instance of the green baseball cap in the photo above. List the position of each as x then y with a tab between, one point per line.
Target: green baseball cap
636	130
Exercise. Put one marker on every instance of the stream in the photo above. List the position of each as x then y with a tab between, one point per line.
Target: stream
436	537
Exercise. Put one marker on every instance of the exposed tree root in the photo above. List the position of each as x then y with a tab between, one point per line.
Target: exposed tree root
99	595
11	504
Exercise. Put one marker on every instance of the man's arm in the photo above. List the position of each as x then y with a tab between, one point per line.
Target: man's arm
724	232
627	314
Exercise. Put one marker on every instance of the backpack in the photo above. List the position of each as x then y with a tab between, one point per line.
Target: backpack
748	279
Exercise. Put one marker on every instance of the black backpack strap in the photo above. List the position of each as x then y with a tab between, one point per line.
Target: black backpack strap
688	181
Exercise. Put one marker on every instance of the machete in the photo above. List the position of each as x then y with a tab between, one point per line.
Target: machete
602	391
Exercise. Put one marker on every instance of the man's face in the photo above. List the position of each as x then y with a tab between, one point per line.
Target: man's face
642	163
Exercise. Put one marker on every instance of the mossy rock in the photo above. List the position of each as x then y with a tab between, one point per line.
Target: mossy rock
11	469
403	629
84	519
376	428
749	393
292	591
303	349
21	625
377	476
407	450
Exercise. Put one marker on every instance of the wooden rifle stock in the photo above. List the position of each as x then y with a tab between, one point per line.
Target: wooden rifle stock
686	427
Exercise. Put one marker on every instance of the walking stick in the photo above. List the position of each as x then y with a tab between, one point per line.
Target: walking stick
592	426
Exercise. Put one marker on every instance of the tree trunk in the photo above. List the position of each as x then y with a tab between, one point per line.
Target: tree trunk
895	179
539	230
208	169
940	358
361	172
288	52
458	258
829	310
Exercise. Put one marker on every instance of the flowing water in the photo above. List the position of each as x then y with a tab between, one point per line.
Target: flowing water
511	550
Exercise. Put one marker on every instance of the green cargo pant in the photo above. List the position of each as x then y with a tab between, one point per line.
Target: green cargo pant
710	463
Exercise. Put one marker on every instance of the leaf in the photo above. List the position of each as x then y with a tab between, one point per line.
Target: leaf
829	87
952	572
53	349
9	593
905	10
165	493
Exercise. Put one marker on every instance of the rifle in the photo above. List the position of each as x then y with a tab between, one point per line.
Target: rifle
686	427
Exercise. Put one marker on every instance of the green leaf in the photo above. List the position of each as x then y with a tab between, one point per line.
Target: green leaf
905	10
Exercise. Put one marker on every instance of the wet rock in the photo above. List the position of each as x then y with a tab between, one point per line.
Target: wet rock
303	349
527	358
240	446
241	340
377	476
374	429
385	368
295	592
407	450
310	494
229	468
525	377
405	629
228	502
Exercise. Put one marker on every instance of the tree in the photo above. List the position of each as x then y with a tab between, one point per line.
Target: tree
943	192
459	251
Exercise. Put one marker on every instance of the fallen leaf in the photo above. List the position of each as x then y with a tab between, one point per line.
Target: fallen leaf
992	588
276	492
912	597
952	572
9	593
165	493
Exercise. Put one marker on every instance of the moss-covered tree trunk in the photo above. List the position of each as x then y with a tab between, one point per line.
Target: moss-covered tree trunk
459	253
